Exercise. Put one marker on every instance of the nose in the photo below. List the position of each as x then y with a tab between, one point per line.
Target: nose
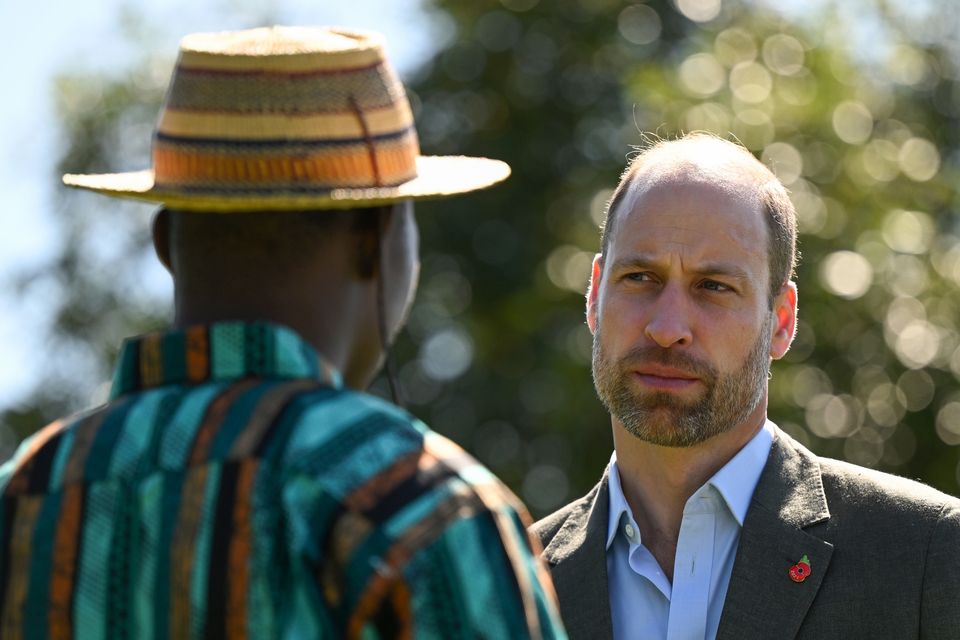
669	320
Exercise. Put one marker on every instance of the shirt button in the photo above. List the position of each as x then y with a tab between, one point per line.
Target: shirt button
628	529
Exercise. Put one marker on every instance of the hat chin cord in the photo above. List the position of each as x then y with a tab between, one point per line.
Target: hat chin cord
382	327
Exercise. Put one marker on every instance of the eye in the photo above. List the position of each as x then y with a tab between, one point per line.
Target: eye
638	276
713	285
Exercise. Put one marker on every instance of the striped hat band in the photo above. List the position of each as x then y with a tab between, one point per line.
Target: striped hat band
288	117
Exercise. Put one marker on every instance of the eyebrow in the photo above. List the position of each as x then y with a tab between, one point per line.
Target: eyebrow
727	269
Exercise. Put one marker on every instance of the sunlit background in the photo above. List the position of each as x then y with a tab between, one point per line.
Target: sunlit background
855	105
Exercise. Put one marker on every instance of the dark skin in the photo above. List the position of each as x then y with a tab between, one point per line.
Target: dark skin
315	272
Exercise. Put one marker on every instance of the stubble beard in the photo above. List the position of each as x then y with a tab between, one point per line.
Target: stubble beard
662	418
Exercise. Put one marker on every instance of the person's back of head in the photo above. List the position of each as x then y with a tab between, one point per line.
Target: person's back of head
342	279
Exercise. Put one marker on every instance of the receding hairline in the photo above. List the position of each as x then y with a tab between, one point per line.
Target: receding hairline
707	159
715	161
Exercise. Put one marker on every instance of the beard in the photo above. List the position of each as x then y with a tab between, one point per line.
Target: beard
662	418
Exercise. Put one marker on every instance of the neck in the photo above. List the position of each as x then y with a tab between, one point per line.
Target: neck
333	320
657	481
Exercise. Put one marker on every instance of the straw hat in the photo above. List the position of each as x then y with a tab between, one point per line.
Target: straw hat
288	118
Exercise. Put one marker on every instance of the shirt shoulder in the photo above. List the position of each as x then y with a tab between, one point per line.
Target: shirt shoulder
346	436
360	449
394	503
29	469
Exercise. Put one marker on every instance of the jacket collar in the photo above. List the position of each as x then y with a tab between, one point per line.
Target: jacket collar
762	600
578	563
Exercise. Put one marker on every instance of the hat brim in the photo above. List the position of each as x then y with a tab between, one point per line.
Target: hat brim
437	177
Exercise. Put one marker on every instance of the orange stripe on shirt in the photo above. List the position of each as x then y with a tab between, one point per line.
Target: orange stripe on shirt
183	547
216	412
378	589
240	552
25	518
20	479
369	493
151	361
264	415
198	358
67	540
461	504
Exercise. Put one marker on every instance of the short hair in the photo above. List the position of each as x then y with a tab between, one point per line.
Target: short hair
781	216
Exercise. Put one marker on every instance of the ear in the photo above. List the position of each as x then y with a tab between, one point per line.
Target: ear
785	320
161	238
593	291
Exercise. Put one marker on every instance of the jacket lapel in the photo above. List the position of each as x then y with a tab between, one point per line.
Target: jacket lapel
762	600
578	563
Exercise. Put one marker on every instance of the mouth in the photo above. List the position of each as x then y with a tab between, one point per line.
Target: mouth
665	378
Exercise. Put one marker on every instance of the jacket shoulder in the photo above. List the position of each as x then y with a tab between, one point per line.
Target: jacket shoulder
847	494
848	483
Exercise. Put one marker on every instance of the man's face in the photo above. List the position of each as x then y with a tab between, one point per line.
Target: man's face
679	308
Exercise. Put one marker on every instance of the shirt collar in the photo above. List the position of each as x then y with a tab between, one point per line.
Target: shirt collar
619	508
737	479
735	482
218	352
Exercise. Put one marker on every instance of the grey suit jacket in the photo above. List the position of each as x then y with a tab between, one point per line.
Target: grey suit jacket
884	554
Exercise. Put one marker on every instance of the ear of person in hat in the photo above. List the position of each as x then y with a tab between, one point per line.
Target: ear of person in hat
239	481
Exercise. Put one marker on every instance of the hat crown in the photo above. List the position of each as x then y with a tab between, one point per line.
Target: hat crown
284	109
278	44
289	118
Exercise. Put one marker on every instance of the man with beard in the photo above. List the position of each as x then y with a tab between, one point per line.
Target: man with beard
709	521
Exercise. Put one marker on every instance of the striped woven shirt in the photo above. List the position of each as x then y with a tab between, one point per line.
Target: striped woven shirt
232	487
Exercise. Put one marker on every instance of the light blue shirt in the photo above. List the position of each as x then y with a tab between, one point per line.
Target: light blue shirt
643	603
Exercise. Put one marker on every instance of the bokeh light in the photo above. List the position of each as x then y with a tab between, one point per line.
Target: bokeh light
834	416
545	487
699	10
568	267
783	54
750	82
852	122
948	422
735	45
639	24
708	116
846	274
908	231
702	75
919	159
447	354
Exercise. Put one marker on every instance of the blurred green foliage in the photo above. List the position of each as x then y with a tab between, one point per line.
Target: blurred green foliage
497	352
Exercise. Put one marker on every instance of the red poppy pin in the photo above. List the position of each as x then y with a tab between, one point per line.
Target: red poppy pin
800	571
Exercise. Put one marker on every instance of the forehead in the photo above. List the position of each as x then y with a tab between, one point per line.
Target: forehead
698	216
